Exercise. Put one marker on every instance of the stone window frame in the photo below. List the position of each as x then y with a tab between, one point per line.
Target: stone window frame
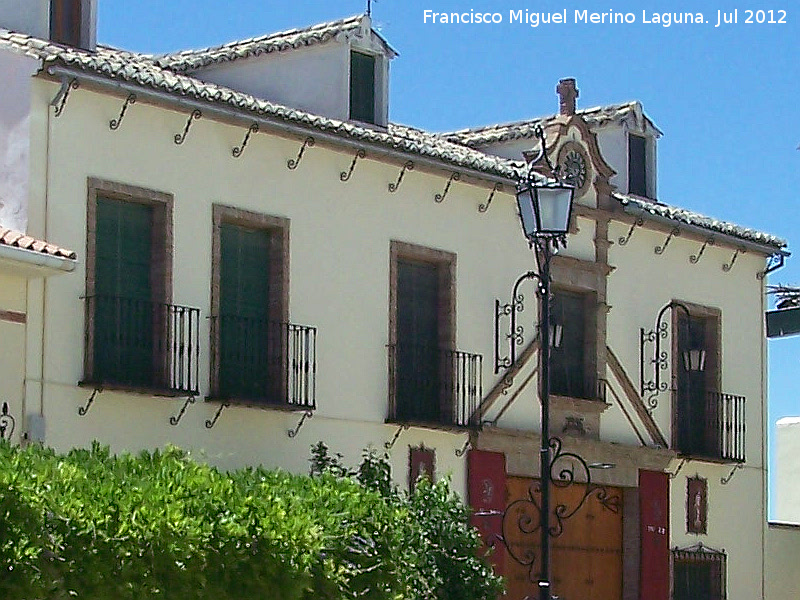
713	354
279	271
587	278
162	246
445	262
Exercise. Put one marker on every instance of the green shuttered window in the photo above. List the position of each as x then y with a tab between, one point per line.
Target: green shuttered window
362	87
249	342
123	302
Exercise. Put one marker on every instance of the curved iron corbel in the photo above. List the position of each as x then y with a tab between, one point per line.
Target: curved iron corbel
7	423
73	84
695	258
515	336
674	233
293	163
463	450
211	422
454	177
174	420
727	480
482	208
726	267
181	137
306	415
651	388
678	470
82	410
408	166
239	150
115	123
345	175
390	444
774	262
637	223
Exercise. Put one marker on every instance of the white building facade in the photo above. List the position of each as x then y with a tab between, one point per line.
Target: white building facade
265	261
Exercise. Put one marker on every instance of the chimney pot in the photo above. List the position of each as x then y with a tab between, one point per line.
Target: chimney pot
567	94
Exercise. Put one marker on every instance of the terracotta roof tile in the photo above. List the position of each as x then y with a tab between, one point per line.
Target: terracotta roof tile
15	239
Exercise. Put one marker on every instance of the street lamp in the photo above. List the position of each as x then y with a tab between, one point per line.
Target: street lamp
545	207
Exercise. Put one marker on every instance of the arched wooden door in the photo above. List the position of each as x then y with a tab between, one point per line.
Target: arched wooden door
586	560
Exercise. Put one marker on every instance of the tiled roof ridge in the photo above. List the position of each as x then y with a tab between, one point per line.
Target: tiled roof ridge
122	66
187	60
17	239
683	215
524	128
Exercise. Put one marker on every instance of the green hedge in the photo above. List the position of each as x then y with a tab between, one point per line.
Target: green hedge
92	525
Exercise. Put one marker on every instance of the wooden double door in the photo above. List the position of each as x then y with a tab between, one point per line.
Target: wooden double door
586	559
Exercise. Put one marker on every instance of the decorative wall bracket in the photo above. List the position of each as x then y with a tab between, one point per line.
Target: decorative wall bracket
440	197
115	123
390	444
293	432
729	265
60	101
482	208
515	336
82	410
675	232
293	163
408	166
345	175
637	223
774	262
239	150
651	388
211	422
463	450
7	423
695	258
727	479
174	420
678	470
181	137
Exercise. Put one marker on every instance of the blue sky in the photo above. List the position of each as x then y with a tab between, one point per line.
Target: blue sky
725	97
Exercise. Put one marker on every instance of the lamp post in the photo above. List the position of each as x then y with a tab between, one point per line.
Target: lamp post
545	207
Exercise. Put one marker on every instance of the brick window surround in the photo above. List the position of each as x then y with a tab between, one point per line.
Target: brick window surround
161	244
278	310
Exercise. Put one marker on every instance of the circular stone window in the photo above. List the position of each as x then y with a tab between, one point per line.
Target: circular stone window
575	167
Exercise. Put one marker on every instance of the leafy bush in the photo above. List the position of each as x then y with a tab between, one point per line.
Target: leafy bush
160	525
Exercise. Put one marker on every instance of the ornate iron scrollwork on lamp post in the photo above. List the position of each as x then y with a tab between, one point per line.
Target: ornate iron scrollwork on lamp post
694	358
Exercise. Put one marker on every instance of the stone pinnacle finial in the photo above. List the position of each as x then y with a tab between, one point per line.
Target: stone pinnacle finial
567	94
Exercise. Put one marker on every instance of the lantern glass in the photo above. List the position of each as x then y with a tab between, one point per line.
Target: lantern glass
694	360
526	213
553	205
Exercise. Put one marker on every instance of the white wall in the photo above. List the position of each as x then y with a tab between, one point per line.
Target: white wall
26	16
15	107
787	476
782	576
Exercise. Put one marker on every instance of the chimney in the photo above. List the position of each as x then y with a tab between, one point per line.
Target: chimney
567	94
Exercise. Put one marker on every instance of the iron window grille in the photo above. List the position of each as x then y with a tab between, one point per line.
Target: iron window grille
699	573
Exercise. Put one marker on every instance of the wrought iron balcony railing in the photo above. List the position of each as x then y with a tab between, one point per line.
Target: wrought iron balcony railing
430	385
265	362
142	344
718	433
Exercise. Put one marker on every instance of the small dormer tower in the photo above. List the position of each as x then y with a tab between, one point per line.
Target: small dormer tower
68	22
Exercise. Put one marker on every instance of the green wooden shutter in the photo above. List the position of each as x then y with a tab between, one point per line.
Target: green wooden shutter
418	384
637	165
124	312
362	87
249	343
568	361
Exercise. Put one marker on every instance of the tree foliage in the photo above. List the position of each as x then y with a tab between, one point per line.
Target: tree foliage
92	525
